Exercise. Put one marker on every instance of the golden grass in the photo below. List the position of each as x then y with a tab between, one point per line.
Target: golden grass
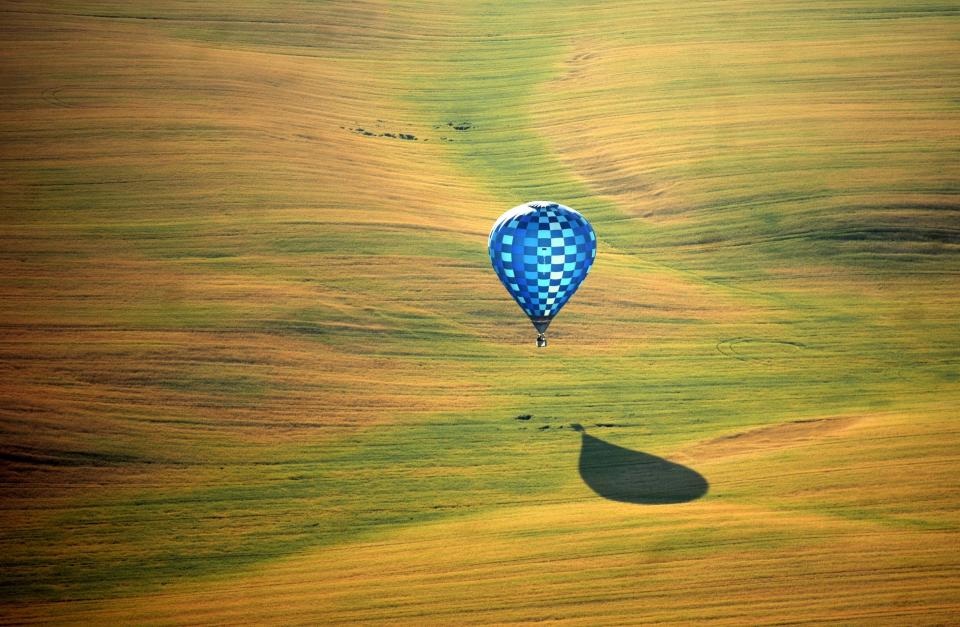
574	559
256	367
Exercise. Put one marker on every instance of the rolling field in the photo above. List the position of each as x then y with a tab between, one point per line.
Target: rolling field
255	366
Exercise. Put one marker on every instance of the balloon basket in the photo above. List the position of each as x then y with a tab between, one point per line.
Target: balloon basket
541	341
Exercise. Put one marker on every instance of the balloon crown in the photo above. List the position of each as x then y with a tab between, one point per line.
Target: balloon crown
542	204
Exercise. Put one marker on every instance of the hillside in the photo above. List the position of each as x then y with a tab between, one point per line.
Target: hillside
256	366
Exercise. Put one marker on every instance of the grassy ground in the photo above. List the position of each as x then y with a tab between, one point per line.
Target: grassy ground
255	365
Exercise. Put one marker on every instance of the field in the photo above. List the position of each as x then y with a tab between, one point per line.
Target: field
255	366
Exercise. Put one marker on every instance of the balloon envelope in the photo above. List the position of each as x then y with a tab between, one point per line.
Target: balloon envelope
542	251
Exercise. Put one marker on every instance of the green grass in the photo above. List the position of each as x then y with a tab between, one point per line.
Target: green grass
239	337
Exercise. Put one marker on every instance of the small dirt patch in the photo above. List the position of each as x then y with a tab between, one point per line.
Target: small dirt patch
757	349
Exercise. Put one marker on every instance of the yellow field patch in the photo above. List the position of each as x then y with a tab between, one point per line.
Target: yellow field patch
255	365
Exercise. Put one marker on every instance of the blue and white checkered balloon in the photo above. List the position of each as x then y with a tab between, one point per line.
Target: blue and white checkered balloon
542	251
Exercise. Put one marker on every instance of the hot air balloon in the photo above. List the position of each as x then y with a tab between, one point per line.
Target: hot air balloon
542	251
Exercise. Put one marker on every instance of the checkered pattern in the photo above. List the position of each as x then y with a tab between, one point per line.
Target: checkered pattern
542	251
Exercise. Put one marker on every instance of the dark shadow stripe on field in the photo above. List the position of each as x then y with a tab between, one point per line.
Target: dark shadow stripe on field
619	474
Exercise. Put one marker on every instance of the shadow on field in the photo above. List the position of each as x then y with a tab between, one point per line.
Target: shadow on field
620	474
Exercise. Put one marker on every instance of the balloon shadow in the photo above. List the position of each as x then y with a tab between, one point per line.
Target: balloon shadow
620	474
